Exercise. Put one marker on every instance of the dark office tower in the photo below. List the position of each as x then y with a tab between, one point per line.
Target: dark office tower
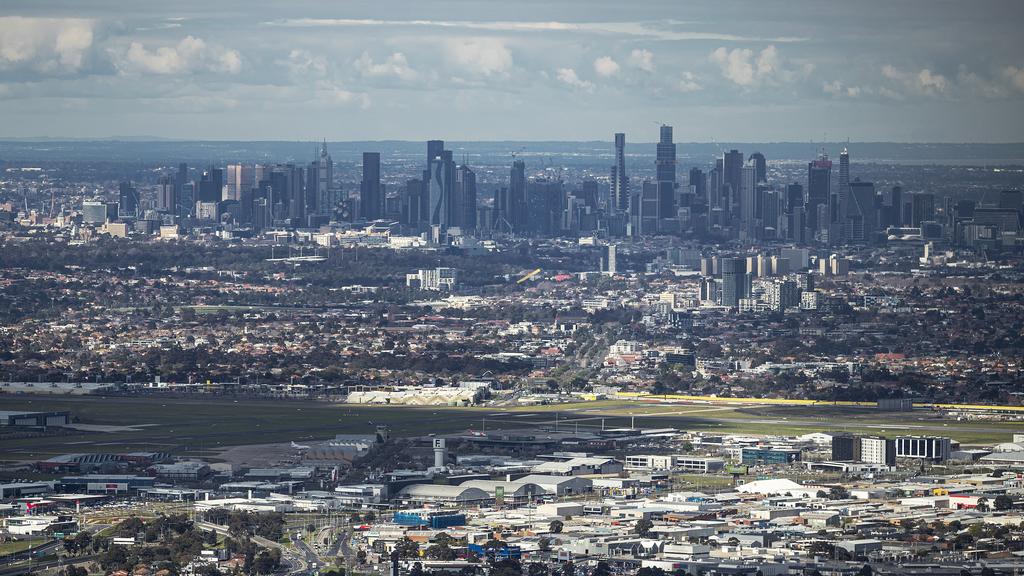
514	209
411	202
964	210
819	190
287	194
166	195
748	202
465	187
715	185
895	209
665	171
846	448
862	213
699	182
128	200
843	194
180	178
771	211
589	193
760	165
732	181
440	187
321	183
211	185
844	170
545	206
620	181
434	149
794	196
735	281
371	200
922	208
187	199
649	206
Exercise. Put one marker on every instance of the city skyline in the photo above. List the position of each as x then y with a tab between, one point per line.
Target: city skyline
921	71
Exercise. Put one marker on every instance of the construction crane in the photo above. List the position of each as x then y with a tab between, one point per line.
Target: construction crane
528	275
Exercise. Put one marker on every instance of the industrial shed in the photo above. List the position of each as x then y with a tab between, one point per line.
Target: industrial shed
420	494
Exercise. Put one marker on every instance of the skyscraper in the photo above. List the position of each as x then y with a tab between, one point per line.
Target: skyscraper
699	183
747	201
895	217
608	257
515	201
665	170
760	165
411	202
434	150
862	214
128	199
735	281
819	189
465	186
620	181
649	205
287	194
843	195
180	178
732	181
545	206
371	200
211	185
440	185
844	169
166	195
241	177
922	205
322	186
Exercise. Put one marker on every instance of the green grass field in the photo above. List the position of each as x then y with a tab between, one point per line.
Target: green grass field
15	546
202	425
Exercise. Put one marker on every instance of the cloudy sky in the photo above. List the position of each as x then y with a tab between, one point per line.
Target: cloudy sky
751	70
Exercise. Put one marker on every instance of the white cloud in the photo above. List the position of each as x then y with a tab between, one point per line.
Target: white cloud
837	88
642	59
190	55
735	64
606	66
639	29
931	81
975	84
688	83
395	66
480	56
305	63
748	68
922	82
568	76
44	44
1015	76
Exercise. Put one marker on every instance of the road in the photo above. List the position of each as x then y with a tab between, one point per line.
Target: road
295	560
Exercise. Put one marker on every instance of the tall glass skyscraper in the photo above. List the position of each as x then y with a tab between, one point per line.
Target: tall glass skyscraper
665	169
371	198
620	181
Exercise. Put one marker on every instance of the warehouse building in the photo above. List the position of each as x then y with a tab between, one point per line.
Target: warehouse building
440	495
106	483
43	419
24	489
